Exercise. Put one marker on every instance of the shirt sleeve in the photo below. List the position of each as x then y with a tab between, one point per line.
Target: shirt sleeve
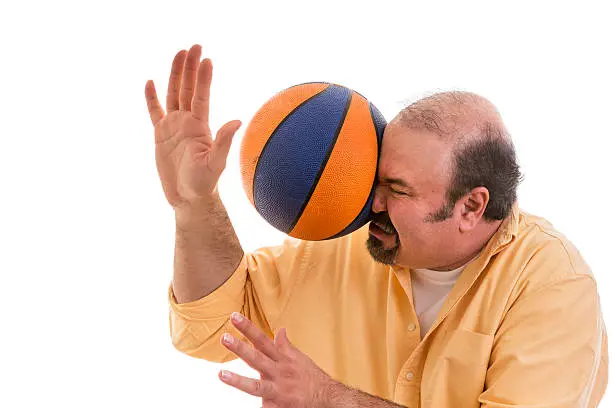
259	288
551	349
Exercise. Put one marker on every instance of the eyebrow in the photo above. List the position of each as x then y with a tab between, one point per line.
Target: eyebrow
399	182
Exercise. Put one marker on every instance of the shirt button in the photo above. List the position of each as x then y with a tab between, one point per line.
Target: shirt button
409	376
411	327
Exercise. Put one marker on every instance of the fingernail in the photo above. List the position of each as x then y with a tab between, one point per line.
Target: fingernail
228	338
226	375
237	317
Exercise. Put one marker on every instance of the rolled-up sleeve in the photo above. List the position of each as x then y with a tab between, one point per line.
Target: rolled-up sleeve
259	288
551	349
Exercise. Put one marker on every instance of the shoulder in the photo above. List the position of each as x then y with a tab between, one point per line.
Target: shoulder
540	256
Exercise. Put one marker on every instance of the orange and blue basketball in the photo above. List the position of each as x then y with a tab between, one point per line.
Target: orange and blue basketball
308	160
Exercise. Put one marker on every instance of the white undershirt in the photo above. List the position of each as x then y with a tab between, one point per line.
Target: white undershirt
429	290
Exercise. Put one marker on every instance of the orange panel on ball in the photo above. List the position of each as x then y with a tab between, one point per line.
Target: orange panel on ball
265	121
346	182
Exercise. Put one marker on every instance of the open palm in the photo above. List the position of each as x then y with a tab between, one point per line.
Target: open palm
189	161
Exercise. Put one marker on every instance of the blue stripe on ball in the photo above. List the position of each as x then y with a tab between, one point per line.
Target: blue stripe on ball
380	123
290	162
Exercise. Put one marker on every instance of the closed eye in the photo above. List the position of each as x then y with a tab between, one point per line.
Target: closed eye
408	190
400	192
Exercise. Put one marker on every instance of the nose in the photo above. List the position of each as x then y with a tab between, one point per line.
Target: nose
379	203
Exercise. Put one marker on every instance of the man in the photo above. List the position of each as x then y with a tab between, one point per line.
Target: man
451	297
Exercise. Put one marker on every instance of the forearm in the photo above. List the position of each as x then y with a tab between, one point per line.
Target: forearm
341	396
207	250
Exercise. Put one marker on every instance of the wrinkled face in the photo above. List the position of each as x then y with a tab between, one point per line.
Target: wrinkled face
410	201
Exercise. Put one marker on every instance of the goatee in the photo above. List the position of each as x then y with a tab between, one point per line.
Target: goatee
376	247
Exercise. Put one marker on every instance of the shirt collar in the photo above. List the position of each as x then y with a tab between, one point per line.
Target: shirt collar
506	233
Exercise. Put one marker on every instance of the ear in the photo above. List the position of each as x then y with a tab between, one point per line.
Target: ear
473	206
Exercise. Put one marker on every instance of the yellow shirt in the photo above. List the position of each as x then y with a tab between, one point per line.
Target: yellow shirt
522	327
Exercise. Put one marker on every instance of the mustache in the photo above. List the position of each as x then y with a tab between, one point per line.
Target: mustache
384	222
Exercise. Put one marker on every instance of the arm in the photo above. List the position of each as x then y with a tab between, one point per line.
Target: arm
207	251
189	163
342	396
211	275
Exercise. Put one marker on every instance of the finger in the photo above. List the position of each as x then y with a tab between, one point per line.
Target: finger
156	112
201	102
174	84
256	336
189	77
257	388
283	345
222	144
252	356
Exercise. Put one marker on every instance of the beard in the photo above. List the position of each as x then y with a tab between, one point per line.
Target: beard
376	247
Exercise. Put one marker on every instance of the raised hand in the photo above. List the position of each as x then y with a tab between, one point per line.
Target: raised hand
189	162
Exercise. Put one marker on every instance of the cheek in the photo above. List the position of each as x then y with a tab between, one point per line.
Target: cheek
403	216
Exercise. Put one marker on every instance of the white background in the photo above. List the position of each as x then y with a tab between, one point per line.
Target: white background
86	234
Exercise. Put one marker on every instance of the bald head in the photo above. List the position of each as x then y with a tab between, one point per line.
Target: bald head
481	150
454	116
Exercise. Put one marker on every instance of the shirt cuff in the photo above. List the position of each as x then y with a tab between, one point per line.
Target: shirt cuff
227	298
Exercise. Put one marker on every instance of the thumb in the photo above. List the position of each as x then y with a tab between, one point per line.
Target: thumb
282	341
221	146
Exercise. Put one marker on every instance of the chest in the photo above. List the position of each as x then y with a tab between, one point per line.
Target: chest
365	333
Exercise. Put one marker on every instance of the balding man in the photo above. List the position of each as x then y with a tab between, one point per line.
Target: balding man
451	297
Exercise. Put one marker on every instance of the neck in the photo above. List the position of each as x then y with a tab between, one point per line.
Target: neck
479	238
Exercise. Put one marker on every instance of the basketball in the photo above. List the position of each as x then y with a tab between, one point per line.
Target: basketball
308	160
